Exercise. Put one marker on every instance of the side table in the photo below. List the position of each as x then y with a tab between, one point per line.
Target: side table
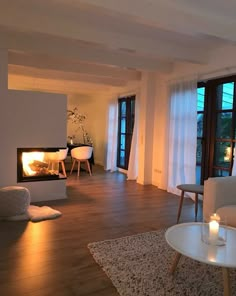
185	239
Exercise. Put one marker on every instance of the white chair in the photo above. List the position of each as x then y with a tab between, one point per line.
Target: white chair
59	157
81	154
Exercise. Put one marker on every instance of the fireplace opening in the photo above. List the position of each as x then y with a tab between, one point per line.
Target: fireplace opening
38	164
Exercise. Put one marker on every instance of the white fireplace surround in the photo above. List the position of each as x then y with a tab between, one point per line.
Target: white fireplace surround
30	119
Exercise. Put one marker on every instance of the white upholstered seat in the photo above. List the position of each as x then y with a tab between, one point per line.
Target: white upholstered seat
81	154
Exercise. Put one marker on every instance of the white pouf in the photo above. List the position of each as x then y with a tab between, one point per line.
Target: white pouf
14	200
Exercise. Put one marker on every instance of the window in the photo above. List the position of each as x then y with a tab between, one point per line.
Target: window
126	110
216	128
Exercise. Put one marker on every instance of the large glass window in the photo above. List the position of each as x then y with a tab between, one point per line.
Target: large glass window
216	128
126	115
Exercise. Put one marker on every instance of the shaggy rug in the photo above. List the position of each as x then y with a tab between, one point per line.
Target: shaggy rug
139	265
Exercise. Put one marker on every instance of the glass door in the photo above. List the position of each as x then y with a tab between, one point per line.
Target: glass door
224	129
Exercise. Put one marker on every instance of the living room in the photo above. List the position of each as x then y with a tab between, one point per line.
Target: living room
52	59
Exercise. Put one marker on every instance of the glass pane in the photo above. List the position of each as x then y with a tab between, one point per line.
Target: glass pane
200	98
220	173
199	151
123	125
123	108
225	94
222	154
122	142
122	158
200	125
223	125
198	174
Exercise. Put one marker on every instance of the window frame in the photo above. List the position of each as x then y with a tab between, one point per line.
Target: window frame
209	167
129	125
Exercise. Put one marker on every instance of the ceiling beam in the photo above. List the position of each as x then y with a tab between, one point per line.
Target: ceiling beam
20	82
60	75
74	49
69	65
189	17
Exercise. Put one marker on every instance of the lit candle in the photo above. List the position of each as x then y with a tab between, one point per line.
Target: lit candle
213	230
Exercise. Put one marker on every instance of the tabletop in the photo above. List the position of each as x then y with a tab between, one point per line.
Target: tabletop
186	239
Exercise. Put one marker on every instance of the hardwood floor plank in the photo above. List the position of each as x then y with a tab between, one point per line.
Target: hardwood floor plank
52	258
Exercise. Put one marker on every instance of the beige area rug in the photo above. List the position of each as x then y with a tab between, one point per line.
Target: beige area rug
35	214
139	265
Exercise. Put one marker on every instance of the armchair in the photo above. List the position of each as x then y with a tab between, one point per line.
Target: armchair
220	197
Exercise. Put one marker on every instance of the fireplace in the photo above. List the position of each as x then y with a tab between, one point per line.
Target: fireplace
38	164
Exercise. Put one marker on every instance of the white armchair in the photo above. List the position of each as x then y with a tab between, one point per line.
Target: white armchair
220	197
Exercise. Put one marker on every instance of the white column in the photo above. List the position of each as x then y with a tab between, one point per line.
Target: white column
146	116
161	135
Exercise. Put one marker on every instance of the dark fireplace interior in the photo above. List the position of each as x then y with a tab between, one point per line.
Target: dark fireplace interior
37	164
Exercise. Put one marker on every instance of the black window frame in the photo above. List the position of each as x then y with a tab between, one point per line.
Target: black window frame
129	120
210	161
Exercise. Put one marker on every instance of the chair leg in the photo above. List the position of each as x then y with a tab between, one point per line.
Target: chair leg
88	165
78	168
196	206
73	164
63	168
180	205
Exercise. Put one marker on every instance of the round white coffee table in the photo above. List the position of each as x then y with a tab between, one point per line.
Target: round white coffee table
185	239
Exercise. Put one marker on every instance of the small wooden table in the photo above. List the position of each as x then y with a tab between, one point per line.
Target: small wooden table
185	239
193	188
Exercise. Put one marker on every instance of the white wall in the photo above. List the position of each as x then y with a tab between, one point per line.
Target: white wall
95	109
29	119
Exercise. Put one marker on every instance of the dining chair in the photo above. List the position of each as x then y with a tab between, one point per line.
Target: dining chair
58	157
61	156
81	154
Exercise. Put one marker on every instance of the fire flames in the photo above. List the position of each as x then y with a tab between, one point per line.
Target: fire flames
37	163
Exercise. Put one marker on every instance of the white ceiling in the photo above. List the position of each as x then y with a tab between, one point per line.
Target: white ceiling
97	46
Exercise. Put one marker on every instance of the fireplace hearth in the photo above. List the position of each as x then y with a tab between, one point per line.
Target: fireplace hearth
38	164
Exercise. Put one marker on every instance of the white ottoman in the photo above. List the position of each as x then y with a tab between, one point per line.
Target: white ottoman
14	200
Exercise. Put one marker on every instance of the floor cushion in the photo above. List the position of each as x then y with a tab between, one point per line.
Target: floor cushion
14	200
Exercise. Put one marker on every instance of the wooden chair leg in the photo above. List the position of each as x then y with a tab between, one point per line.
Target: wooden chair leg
73	164
88	165
78	168
180	205
63	168
196	206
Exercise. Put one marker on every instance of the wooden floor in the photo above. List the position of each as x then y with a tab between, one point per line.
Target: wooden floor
52	258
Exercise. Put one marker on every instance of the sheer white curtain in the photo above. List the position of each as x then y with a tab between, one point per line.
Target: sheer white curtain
182	134
112	137
132	173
